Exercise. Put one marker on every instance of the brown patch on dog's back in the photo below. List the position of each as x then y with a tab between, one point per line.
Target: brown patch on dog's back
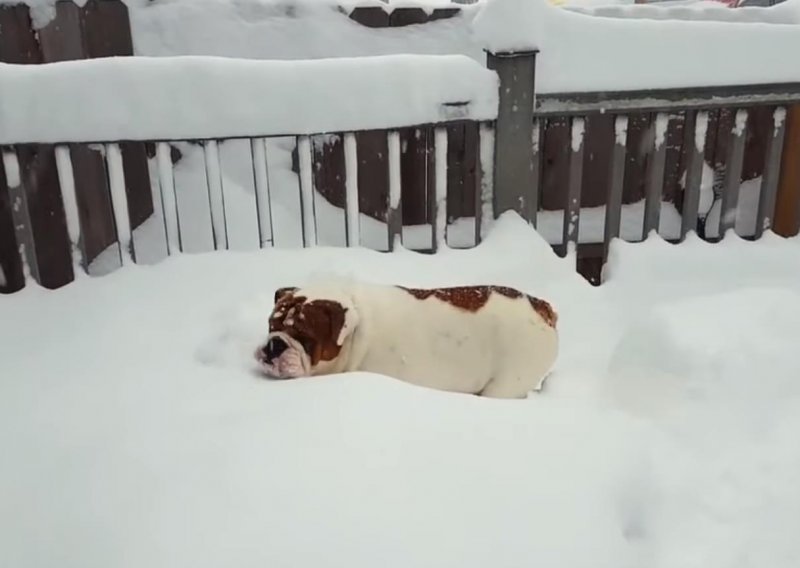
545	310
473	298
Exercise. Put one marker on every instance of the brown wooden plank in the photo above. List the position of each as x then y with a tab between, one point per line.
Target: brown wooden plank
462	162
675	159
769	182
40	180
12	278
637	152
759	134
414	156
555	163
589	263
94	201
597	159
18	42
401	17
444	14
106	28
137	182
787	216
373	173
370	16
329	173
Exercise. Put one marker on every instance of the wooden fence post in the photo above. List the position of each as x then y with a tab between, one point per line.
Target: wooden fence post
515	180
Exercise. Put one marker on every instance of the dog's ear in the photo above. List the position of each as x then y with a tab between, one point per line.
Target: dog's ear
281	292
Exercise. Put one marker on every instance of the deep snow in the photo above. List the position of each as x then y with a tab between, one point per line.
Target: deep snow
134	432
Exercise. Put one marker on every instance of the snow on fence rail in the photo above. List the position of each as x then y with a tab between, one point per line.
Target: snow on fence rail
196	97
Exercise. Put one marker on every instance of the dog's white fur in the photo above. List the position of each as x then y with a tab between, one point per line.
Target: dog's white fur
505	349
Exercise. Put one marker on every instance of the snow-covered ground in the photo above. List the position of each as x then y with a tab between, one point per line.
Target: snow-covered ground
135	433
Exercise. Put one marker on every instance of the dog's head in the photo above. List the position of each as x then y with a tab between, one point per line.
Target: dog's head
308	330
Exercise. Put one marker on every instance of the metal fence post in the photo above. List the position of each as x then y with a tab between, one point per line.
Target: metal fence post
516	186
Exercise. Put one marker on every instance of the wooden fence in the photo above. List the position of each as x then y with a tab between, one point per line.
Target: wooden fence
567	152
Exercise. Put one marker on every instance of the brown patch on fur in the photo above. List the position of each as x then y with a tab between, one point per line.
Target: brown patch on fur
545	310
473	298
280	293
316	325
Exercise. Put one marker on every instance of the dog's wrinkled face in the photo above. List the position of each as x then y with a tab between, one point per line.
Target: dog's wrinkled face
305	335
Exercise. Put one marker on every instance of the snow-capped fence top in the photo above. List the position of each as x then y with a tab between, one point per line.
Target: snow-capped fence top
196	97
581	53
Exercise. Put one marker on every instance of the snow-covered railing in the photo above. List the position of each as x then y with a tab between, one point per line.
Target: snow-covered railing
160	101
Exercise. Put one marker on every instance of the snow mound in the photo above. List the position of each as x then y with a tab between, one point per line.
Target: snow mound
702	347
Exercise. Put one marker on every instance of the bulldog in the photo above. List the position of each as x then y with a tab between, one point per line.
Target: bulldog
491	341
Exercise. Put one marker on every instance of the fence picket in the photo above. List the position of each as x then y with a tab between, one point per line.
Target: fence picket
119	204
66	180
258	155
695	130
733	174
616	181
769	181
394	215
536	177
439	201
216	195
351	210
20	213
169	201
572	207
655	176
484	196
306	192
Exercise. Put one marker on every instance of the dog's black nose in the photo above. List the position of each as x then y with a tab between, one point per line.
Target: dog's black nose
273	349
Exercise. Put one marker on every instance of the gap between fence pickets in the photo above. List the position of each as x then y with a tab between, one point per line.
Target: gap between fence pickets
216	195
696	128
260	160
616	182
571	221
20	216
394	214
168	198
485	205
439	233
119	204
733	175
307	209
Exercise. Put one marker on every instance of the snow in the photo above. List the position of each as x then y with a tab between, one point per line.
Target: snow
621	130
600	47
662	439
577	132
173	98
662	123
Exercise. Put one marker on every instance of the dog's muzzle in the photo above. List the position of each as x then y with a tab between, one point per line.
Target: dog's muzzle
273	349
280	359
